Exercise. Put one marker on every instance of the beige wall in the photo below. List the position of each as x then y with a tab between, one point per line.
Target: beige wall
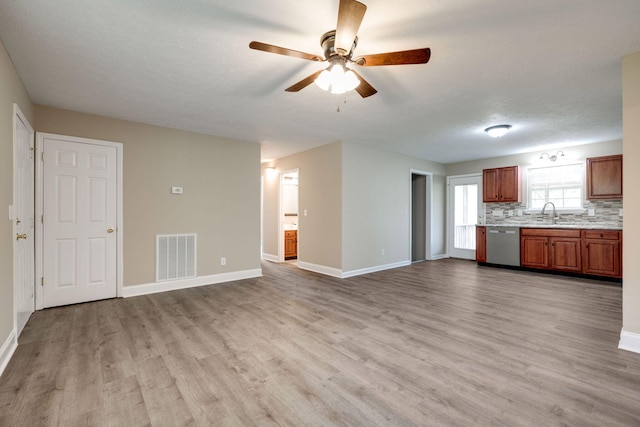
11	91
357	199
573	153
376	202
320	193
221	191
631	236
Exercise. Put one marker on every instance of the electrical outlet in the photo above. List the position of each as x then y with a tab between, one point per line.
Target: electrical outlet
520	212
223	261
620	212
177	190
382	252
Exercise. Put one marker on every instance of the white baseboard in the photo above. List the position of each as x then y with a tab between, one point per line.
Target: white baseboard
269	257
335	272
7	350
629	341
152	288
374	269
437	257
322	269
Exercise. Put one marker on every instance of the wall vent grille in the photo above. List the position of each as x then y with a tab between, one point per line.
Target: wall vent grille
175	256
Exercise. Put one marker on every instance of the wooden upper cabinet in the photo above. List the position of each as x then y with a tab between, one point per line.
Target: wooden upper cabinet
604	177
502	184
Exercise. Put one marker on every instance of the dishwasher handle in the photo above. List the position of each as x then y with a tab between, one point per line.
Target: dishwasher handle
502	231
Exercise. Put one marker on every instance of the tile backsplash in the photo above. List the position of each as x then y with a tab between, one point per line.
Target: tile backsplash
607	213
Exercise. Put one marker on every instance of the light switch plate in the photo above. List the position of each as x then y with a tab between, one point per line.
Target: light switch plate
592	212
620	212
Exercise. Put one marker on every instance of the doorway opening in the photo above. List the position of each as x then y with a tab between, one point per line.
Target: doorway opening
420	234
289	227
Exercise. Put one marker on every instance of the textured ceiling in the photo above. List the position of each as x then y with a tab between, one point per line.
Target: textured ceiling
550	68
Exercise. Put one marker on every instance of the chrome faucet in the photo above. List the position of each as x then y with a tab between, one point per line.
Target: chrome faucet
553	217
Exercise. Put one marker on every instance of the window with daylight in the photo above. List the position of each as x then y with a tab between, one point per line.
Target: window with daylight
562	185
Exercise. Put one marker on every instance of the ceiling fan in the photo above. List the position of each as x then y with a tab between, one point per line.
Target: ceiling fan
338	46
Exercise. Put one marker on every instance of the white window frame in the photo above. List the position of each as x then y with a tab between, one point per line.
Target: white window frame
559	209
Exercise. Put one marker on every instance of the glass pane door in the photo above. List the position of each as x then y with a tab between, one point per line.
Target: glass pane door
463	213
466	215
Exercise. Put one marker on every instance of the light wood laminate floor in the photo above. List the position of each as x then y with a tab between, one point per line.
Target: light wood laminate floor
437	343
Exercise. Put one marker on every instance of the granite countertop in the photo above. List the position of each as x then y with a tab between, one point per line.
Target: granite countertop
571	226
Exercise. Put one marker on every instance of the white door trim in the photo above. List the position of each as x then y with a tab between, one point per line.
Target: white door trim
40	137
17	115
429	212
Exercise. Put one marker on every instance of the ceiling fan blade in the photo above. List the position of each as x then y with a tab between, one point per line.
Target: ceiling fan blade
415	56
364	88
350	16
304	82
284	51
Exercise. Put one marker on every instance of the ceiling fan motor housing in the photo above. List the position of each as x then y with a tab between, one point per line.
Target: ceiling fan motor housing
327	41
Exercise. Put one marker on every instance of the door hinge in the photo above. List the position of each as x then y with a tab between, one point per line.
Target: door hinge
42	281
42	156
41	219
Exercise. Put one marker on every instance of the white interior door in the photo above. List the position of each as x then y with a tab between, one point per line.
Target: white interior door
79	221
23	218
465	204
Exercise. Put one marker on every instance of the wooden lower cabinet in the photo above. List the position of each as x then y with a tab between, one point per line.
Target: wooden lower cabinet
555	249
564	254
601	252
594	252
481	244
534	251
290	244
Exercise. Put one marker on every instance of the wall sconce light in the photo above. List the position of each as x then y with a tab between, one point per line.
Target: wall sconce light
553	157
271	171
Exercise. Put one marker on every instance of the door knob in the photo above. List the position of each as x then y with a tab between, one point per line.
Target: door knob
21	236
110	230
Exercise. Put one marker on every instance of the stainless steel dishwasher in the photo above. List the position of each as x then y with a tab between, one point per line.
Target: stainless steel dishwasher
503	245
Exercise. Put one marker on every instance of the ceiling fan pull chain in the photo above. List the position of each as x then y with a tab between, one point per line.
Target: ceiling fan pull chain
344	102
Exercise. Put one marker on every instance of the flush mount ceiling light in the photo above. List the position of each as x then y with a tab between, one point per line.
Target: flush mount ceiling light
498	130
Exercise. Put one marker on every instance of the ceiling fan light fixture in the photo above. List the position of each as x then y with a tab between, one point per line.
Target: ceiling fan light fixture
337	80
498	130
351	81
324	80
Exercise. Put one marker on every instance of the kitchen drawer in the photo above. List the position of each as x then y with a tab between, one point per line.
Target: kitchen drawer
601	234
550	232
